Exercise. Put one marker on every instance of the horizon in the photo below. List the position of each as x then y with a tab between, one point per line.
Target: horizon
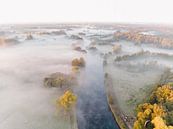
82	11
90	23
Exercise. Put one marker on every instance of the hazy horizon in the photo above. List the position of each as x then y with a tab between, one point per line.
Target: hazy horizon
82	11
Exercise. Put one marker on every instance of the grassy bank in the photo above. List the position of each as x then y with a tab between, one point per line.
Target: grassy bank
112	102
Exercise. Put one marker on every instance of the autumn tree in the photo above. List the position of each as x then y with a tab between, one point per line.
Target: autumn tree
159	123
158	112
67	100
145	113
78	62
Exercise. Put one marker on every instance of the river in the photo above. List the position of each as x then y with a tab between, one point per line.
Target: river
93	110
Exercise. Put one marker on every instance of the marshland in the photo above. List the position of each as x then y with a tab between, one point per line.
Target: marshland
83	76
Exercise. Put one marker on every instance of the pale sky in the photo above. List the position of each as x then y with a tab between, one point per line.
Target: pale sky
42	11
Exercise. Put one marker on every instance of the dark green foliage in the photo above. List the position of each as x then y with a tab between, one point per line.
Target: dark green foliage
169	118
168	105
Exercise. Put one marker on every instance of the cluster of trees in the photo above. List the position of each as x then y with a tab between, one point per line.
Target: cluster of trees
75	69
146	113
67	100
56	32
77	63
2	41
157	113
59	80
29	36
116	48
141	53
134	55
78	48
76	37
142	38
7	41
162	94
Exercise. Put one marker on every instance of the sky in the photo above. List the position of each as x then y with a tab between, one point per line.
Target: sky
46	11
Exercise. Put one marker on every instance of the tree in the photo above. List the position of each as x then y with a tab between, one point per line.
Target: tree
158	113
146	113
163	94
67	100
78	62
160	124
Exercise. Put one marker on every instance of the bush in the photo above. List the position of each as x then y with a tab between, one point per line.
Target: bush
59	80
169	118
78	62
67	100
79	49
168	105
75	69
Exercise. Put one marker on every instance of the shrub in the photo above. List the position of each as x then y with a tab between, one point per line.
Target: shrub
75	69
169	118
168	105
78	62
67	100
59	80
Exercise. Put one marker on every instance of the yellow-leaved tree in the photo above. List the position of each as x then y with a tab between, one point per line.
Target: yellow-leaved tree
160	124
158	112
67	100
146	113
162	94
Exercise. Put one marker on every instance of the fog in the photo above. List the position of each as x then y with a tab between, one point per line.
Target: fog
27	104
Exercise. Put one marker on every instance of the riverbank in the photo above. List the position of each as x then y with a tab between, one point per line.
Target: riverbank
120	118
124	120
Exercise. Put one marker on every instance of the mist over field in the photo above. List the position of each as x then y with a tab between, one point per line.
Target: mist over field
29	54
